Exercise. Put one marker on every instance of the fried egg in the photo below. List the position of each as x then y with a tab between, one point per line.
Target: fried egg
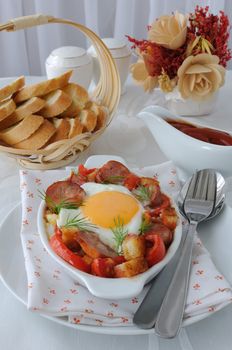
104	208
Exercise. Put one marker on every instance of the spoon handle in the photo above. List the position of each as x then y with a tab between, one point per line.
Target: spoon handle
147	312
170	316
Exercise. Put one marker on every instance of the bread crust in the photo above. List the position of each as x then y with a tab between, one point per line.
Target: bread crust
29	107
22	130
76	127
55	103
6	108
101	113
62	130
12	88
39	138
88	119
79	97
43	88
101	118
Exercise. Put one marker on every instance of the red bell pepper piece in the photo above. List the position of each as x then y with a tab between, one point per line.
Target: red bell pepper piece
157	252
82	170
132	181
103	267
65	253
119	259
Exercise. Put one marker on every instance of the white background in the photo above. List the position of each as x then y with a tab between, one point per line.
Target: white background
24	52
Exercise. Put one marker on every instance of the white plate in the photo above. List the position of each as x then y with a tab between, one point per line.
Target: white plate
216	236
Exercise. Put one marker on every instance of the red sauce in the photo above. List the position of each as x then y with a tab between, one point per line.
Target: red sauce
213	136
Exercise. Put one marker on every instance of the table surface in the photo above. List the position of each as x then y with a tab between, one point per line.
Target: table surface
128	137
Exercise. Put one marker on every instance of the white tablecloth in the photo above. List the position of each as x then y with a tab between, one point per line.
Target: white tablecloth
129	138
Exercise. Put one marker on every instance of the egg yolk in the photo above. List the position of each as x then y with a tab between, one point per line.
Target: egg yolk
104	208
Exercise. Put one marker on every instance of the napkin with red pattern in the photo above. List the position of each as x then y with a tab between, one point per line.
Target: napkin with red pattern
53	292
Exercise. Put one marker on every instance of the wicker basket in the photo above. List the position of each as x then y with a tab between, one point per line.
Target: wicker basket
63	152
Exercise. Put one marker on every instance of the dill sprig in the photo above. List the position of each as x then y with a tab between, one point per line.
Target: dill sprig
81	223
119	232
145	225
56	208
143	193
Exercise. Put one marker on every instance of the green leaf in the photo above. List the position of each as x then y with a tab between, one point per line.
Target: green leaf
143	193
82	224
119	232
145	226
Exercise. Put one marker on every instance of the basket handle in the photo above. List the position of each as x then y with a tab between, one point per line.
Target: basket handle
26	22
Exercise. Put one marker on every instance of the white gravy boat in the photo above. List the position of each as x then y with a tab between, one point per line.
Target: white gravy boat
188	153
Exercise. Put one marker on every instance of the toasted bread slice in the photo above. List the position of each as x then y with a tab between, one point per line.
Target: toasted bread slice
39	138
10	89
76	127
22	130
88	119
101	115
101	118
79	98
63	127
2	143
6	108
29	107
56	102
7	122
42	88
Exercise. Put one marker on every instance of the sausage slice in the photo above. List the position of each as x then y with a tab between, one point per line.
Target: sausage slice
64	191
112	172
162	231
92	245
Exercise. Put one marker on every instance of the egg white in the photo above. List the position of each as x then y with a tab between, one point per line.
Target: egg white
105	235
92	188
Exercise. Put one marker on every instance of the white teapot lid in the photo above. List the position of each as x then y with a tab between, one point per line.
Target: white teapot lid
118	48
68	56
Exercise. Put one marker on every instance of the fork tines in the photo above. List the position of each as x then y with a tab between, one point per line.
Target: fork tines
201	195
202	185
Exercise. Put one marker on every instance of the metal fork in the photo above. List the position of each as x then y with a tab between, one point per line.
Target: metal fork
198	204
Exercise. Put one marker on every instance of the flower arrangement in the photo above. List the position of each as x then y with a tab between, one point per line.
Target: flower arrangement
187	53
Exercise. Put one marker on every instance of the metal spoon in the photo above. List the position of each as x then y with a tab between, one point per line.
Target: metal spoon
220	196
145	316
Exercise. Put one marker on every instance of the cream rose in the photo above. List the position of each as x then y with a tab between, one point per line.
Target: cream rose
140	75
169	31
199	76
